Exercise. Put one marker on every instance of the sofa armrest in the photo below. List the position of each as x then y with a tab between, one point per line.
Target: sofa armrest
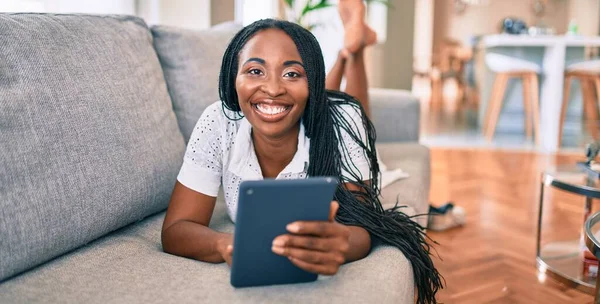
395	114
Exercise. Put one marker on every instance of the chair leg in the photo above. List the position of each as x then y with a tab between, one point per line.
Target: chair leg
437	95
490	104
596	124
589	107
535	106
496	106
527	103
563	109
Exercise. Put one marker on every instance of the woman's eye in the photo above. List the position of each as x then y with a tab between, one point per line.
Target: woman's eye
292	74
255	72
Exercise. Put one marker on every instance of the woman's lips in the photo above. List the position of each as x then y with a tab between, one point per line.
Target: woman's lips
269	112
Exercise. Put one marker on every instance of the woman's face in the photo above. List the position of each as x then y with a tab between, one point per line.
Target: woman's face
271	83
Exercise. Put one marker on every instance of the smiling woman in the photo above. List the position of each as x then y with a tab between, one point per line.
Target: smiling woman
276	120
272	87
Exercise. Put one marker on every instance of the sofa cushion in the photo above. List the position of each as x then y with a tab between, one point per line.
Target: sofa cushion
414	190
89	142
191	61
130	267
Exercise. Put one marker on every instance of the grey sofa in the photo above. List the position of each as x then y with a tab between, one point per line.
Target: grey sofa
94	115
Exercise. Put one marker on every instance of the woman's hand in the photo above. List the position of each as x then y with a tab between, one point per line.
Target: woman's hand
317	247
225	248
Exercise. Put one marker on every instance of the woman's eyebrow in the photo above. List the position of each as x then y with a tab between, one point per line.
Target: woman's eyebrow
291	62
259	60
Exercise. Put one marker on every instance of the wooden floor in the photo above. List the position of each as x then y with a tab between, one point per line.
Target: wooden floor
492	258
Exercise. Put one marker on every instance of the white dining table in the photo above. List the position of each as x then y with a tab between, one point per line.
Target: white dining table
553	67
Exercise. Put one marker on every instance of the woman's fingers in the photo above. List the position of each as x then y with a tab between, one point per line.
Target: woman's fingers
318	228
329	269
228	257
316	246
306	242
310	256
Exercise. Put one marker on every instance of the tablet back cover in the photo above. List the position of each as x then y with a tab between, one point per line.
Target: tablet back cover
264	210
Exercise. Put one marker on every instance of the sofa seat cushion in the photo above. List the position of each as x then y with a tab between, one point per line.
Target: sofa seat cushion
414	190
88	139
129	266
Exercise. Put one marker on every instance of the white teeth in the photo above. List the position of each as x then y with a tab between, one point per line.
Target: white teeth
269	109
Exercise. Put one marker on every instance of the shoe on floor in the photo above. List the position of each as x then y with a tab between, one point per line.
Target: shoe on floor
453	216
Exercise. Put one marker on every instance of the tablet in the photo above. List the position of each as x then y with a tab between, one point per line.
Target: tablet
265	208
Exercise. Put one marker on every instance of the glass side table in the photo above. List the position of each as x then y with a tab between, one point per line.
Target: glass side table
566	201
592	234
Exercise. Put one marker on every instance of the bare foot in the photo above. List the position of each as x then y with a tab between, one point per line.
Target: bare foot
369	39
370	36
352	13
345	54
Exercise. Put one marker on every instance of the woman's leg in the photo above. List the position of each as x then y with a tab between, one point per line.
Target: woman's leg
352	13
356	79
334	77
358	35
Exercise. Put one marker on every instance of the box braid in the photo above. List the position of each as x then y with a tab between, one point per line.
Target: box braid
325	121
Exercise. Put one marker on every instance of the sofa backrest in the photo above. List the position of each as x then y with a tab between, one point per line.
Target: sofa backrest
191	61
88	139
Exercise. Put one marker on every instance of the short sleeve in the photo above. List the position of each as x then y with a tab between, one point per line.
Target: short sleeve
202	163
354	157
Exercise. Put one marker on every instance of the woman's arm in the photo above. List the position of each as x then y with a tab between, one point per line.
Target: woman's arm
360	243
360	239
185	230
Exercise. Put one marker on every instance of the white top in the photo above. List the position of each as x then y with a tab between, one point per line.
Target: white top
220	152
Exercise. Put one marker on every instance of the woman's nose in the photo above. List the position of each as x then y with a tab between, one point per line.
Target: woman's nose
273	87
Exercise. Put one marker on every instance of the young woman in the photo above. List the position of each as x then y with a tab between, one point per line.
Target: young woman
277	120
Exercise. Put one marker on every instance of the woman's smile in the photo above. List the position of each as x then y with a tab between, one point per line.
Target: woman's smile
271	110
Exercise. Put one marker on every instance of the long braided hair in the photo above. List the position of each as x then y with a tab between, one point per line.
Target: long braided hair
324	122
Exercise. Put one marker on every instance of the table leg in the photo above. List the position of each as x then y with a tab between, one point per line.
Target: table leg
551	95
539	226
588	207
597	295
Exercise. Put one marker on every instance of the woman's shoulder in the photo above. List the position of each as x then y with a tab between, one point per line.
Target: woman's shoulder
345	104
217	111
216	120
350	112
217	114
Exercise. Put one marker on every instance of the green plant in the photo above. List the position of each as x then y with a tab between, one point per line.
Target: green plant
312	6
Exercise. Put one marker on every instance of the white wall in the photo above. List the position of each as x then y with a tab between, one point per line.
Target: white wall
149	10
13	6
191	14
423	46
69	6
126	7
253	10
